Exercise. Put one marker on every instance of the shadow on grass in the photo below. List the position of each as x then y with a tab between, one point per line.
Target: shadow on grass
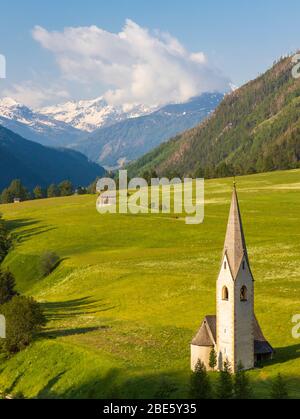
114	385
73	308
286	354
26	233
46	392
54	334
11	388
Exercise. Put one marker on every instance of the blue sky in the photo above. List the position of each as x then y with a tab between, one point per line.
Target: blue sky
239	38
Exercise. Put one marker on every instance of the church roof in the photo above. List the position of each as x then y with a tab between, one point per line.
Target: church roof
235	244
207	336
207	333
261	345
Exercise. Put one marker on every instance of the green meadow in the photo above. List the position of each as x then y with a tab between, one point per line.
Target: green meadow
131	291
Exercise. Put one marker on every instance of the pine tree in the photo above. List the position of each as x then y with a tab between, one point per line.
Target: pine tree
225	384
52	191
241	386
7	287
38	192
279	390
213	359
66	188
200	383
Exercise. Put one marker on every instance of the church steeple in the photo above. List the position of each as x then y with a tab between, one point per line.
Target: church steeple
235	244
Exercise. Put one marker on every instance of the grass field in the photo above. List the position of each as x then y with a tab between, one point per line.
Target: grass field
131	291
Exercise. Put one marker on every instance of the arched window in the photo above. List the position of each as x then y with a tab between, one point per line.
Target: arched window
225	294
244	294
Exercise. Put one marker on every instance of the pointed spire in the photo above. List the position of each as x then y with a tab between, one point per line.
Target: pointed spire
235	244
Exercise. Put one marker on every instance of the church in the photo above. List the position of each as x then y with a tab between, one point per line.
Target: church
234	333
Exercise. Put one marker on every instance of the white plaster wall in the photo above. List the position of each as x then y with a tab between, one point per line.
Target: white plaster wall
244	320
202	353
225	317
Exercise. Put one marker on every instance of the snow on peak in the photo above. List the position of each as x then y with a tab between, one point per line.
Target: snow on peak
89	115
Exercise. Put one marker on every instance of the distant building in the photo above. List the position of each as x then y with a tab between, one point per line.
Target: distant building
107	199
234	333
17	200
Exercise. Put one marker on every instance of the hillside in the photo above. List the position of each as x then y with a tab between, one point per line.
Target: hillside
255	129
35	164
130	139
131	291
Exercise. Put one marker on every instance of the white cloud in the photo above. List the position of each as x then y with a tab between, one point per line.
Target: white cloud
33	95
133	66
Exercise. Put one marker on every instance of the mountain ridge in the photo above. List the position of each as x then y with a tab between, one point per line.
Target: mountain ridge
256	128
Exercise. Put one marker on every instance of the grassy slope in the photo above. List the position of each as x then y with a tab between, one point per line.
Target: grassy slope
131	291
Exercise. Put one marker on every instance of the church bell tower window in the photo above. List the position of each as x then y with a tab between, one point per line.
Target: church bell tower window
225	294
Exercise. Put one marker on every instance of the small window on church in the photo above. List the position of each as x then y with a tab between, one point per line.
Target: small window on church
244	265
225	265
244	294
225	294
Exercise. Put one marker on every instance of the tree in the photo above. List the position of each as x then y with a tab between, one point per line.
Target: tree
66	188
52	191
200	383
5	241
279	389
7	287
24	318
6	196
17	190
225	384
213	359
92	187
241	387
49	262
39	192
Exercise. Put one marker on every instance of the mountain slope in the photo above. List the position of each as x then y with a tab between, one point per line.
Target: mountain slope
132	138
35	164
35	126
256	128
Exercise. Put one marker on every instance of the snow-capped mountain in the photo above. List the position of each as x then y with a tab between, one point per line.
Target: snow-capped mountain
35	126
107	135
89	115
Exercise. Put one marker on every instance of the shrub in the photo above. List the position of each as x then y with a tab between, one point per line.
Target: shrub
24	318
49	262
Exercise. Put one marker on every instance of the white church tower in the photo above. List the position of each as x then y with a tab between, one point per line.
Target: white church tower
235	297
234	333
